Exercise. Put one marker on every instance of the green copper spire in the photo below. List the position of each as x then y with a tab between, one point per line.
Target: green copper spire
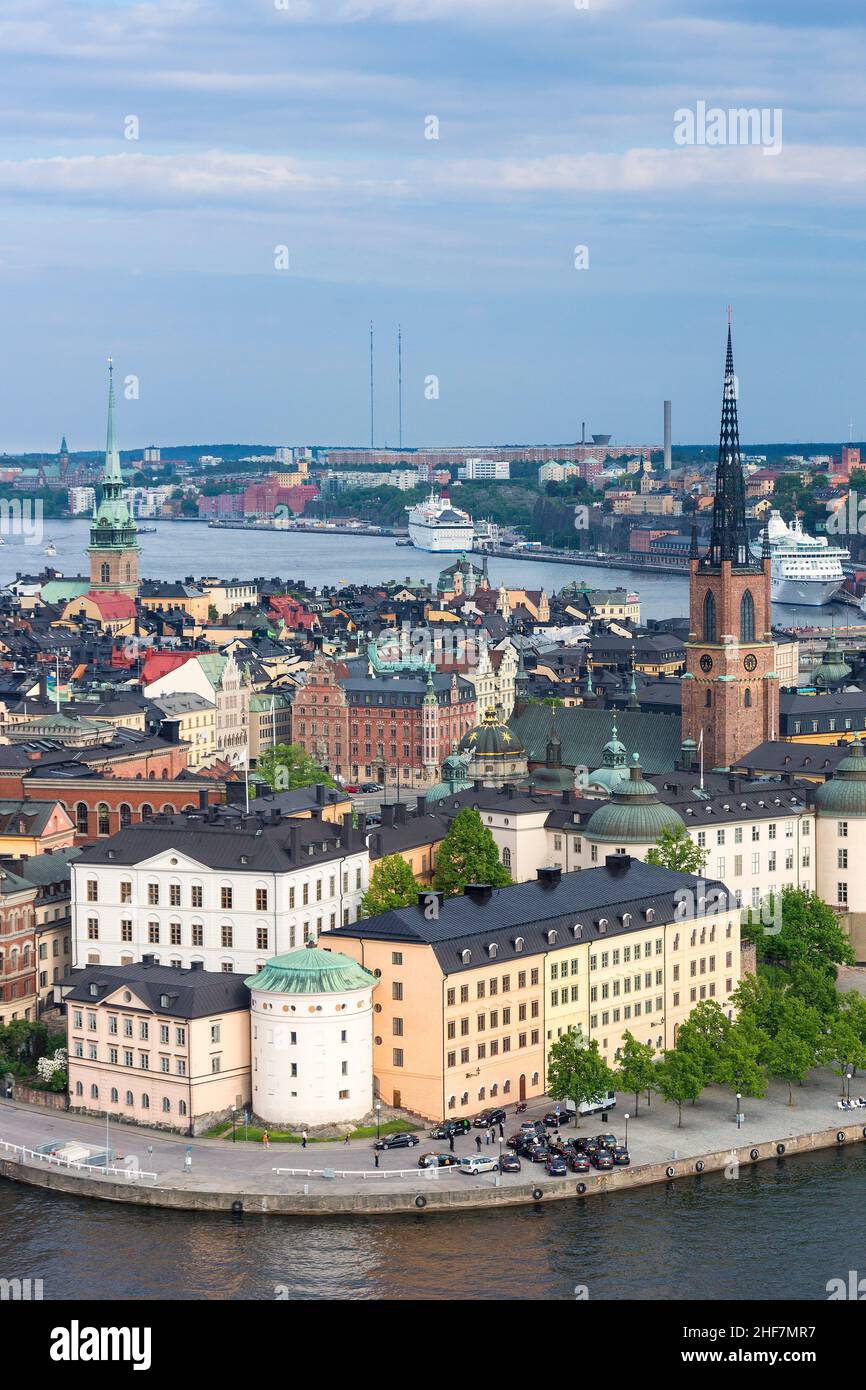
113	529
112	472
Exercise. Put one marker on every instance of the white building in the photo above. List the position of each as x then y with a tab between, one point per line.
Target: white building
151	454
82	500
472	470
216	887
311	1015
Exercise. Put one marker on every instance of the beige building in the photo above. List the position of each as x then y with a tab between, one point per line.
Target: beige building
196	720
225	595
155	1045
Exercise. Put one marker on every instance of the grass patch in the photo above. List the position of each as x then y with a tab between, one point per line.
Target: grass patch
252	1134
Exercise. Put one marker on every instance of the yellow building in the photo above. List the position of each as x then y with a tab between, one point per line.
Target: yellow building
476	988
170	597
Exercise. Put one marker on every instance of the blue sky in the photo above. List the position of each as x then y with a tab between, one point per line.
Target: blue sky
304	126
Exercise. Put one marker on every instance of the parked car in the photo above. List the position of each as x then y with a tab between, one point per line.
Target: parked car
509	1163
578	1163
556	1166
449	1127
373	818
397	1141
553	1121
353	790
515	1140
371	787
477	1163
438	1160
490	1117
538	1153
621	1156
606	1141
529	1127
602	1159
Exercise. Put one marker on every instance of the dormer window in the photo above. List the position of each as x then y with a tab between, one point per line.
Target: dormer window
578	930
602	924
466	957
551	937
94	990
650	914
626	919
493	950
163	1001
518	943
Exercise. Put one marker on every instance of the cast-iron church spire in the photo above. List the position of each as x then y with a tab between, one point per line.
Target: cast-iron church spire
729	538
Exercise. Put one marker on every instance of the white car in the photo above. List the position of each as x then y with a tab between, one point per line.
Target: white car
477	1163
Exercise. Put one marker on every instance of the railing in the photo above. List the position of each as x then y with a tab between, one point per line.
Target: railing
58	1161
362	1173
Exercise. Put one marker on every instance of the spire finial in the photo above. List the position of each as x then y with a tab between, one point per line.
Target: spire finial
730	312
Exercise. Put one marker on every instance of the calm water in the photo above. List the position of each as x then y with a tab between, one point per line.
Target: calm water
179	549
781	1231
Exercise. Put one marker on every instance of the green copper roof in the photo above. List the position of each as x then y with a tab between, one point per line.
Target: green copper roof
845	792
634	814
311	971
113	524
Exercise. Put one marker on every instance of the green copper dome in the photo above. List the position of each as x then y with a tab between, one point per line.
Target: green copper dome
454	777
311	971
845	793
832	669
634	815
614	768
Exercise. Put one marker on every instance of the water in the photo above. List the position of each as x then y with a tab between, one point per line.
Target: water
178	549
782	1230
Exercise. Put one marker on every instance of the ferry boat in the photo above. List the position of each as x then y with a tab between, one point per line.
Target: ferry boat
51	548
804	569
438	525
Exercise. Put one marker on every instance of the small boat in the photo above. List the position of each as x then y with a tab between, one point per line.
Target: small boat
50	548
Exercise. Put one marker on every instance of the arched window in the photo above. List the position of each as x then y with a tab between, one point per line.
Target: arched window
104	573
82	818
181	1105
125	815
506	858
114	1095
747	698
146	811
129	1098
128	572
709	616
708	699
747	617
94	1093
103	827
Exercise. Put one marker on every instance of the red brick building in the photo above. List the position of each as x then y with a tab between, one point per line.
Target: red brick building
393	728
17	948
262	499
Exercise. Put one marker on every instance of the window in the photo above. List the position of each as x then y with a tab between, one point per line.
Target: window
82	818
93	929
92	891
214	1064
747	618
153	933
397	990
197	934
225	898
153	894
398	1057
261	900
174	895
709	616
842	829
196	892
226	934
174	933
126	892
261	938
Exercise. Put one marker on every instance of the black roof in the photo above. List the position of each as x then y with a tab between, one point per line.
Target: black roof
527	912
188	993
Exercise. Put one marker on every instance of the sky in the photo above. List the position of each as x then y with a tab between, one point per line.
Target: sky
222	194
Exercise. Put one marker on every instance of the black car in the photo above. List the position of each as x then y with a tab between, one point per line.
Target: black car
602	1159
556	1166
397	1141
538	1153
509	1163
437	1160
370	787
514	1141
621	1156
490	1117
606	1141
578	1163
449	1127
553	1121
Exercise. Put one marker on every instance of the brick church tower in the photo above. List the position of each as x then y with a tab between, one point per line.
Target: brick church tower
730	688
113	548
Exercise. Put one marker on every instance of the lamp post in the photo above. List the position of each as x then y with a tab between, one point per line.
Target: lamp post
234	1121
378	1116
739	1112
849	1073
625	1117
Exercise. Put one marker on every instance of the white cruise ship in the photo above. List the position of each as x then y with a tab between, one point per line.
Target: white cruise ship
804	569
438	525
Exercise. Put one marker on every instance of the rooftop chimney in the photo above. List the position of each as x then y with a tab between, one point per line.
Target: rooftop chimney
478	892
549	875
430	902
617	864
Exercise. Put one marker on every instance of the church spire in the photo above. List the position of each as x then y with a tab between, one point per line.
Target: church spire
112	472
729	539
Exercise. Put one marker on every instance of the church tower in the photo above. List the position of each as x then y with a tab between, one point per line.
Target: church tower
730	688
113	548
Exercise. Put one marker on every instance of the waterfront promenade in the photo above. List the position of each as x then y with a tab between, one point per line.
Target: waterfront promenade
339	1178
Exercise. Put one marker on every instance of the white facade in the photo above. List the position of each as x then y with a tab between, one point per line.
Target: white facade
489	469
181	911
312	1057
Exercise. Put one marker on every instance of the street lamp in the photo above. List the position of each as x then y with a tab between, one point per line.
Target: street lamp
234	1121
849	1073
625	1117
378	1116
739	1112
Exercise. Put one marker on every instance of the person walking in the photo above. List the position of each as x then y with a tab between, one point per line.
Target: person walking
451	1142
501	1130
303	1138
346	1140
265	1140
478	1142
376	1157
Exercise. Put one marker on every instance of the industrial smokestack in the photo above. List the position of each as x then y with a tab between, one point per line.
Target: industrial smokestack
667	436
583	431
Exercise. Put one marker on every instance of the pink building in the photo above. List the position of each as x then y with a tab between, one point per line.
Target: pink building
155	1045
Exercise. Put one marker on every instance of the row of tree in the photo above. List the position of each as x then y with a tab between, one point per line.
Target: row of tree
467	854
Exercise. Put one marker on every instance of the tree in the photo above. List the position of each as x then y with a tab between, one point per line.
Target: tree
576	1071
702	1037
809	934
678	1078
468	854
636	1067
674	849
392	884
789	1057
842	1044
738	1065
288	765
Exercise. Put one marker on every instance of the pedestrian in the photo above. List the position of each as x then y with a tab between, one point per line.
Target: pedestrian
346	1140
487	1136
376	1157
478	1142
265	1140
187	1161
303	1138
451	1142
501	1130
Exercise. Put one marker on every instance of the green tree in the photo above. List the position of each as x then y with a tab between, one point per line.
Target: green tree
468	854
842	1044
576	1071
636	1067
702	1037
739	1064
288	765
392	884
675	850
809	933
678	1078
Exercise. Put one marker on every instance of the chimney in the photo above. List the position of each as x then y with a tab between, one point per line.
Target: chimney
430	897
617	864
362	825
169	729
147	960
388	814
196	965
295	843
478	892
549	875
378	845
321	794
202	798
399	812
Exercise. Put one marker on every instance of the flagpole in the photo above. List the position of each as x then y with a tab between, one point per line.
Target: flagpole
701	751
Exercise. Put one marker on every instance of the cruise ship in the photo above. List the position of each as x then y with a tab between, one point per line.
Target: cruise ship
804	569
438	525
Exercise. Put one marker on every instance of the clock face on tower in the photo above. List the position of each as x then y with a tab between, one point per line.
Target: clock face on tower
706	662
750	661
